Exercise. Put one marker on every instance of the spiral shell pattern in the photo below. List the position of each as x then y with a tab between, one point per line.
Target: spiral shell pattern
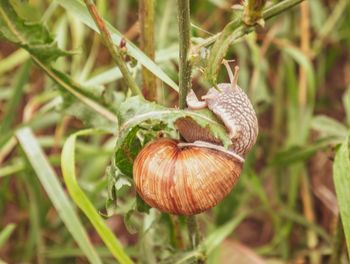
183	181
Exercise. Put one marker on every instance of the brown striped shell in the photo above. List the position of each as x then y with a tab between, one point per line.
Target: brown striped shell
183	181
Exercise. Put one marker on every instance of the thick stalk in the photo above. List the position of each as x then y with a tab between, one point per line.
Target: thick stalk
193	231
146	18
113	50
184	42
185	86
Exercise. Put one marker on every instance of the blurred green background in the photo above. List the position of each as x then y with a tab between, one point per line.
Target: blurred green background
296	70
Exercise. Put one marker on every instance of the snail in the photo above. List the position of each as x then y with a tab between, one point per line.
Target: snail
186	178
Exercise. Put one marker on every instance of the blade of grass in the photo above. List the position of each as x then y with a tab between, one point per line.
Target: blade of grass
35	242
78	9
64	81
10	112
6	233
74	89
68	170
215	239
52	186
341	177
16	58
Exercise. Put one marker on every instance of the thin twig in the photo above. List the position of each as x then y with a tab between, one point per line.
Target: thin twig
185	43
267	14
235	30
113	50
146	18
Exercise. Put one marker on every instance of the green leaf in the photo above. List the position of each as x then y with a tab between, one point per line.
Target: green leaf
82	94
229	34
6	233
298	153
341	177
12	105
35	38
32	36
346	103
54	190
82	201
141	205
329	127
215	239
133	115
130	223
127	150
136	110
77	8
305	62
191	257
25	10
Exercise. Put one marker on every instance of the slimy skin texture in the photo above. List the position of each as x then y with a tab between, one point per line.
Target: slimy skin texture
233	107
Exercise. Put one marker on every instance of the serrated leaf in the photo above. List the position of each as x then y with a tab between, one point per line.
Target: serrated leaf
32	36
36	39
136	110
127	150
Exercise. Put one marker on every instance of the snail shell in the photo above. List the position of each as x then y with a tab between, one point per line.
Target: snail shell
189	178
183	181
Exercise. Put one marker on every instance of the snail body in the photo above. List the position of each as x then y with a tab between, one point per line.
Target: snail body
233	107
190	177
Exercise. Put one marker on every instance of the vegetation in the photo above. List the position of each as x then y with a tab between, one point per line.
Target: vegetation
84	86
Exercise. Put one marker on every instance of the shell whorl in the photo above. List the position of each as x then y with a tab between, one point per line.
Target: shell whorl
183	181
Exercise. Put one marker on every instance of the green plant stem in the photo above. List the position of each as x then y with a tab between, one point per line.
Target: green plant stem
185	44
113	49
193	232
267	14
233	31
280	8
146	19
253	11
184	87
